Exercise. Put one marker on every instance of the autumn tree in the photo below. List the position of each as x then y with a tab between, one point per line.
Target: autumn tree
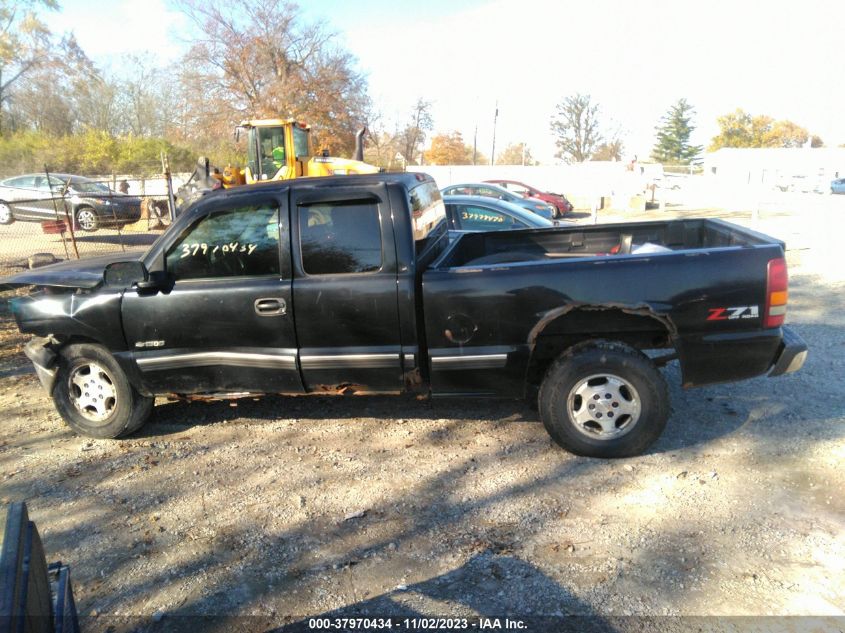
576	128
24	43
516	154
262	60
673	136
741	129
609	150
449	149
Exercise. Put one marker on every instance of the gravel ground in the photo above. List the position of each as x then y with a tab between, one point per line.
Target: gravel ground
289	507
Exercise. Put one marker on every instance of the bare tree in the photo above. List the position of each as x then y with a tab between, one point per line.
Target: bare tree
576	127
261	59
53	97
24	43
412	136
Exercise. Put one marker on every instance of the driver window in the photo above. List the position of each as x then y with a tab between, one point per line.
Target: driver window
242	242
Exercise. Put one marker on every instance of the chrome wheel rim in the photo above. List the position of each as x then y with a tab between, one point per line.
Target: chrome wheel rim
5	213
92	391
603	406
86	219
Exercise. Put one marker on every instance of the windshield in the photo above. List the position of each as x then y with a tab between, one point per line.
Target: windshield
269	143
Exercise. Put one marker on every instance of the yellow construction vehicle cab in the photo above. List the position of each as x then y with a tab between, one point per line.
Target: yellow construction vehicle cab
278	149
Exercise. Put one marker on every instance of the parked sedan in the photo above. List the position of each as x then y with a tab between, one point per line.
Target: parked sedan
31	198
557	200
837	186
543	209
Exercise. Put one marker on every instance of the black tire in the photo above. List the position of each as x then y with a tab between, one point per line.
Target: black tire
120	410
6	214
87	219
631	378
504	258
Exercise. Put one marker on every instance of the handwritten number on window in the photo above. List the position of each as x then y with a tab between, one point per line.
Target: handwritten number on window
194	248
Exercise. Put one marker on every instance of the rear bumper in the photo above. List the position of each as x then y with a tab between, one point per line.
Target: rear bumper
791	354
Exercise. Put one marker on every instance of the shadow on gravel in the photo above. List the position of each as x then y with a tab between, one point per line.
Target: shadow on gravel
488	585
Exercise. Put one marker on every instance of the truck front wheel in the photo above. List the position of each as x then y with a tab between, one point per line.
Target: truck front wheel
93	395
604	399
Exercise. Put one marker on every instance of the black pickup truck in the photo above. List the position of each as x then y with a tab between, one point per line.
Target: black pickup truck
350	284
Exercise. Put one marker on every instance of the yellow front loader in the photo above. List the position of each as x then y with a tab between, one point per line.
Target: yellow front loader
277	149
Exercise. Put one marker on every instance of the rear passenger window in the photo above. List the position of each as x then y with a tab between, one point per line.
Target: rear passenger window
340	238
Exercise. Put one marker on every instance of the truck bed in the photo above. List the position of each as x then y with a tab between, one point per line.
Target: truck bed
599	240
495	295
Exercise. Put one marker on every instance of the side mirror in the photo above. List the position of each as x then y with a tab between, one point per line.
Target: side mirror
125	274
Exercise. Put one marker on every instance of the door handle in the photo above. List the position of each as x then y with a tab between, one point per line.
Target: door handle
270	306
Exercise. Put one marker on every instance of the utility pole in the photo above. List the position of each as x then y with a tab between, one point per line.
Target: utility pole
495	116
475	143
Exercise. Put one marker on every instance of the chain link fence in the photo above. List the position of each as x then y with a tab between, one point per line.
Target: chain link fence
46	217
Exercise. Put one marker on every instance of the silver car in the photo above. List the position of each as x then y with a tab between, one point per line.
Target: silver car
496	192
92	204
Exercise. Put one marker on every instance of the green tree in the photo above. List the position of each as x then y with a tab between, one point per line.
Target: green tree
576	128
673	136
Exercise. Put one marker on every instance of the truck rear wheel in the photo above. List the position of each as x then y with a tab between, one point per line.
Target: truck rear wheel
604	399
93	395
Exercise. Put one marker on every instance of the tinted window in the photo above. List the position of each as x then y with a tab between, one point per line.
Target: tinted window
340	237
472	218
89	186
232	243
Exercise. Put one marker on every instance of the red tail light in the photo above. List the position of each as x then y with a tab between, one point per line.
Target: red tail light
777	284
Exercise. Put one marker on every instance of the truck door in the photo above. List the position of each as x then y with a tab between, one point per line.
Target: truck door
345	289
227	324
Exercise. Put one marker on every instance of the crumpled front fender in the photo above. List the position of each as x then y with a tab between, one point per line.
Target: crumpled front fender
44	358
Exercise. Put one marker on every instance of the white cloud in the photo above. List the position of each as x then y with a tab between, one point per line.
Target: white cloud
122	27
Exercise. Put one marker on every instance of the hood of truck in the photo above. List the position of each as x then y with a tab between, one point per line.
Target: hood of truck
76	273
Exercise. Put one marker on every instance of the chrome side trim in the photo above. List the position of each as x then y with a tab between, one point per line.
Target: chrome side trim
409	359
478	361
206	359
360	361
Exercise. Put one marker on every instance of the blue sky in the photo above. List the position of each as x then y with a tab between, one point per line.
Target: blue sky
635	58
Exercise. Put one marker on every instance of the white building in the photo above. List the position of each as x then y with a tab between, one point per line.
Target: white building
803	167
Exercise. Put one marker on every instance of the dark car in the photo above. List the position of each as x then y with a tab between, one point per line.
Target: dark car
92	204
350	285
557	200
496	192
466	214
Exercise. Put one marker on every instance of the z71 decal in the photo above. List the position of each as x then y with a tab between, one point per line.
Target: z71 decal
735	312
